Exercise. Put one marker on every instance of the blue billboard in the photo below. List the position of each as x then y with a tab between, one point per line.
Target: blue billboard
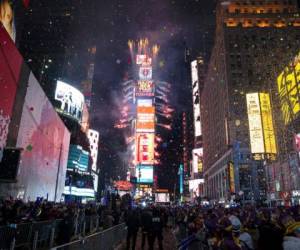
78	158
144	173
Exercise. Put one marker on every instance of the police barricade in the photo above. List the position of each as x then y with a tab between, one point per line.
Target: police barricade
106	240
43	234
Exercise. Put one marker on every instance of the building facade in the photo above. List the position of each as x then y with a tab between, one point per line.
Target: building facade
253	39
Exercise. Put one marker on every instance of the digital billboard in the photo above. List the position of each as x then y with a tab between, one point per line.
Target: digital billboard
144	173
143	60
7	17
196	98
162	197
145	148
144	88
267	123
262	134
231	177
255	123
198	160
78	158
93	136
71	100
288	83
145	119
10	69
45	141
145	73
144	102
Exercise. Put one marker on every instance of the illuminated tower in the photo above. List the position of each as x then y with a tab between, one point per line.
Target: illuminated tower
145	101
254	39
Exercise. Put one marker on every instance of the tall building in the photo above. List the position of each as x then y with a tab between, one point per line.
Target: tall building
253	40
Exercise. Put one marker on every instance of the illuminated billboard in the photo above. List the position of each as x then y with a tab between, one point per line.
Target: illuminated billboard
71	100
262	134
10	71
144	174
255	123
145	148
288	83
143	60
78	158
145	73
267	123
198	160
93	137
145	119
7	17
144	88
144	102
231	177
196	98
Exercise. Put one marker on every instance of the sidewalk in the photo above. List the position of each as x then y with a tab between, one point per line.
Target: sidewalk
169	242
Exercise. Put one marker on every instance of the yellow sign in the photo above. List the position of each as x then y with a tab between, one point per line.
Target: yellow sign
231	177
267	123
288	83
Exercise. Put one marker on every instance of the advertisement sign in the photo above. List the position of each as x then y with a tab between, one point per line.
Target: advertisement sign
78	158
297	142
198	160
162	197
145	73
255	123
144	174
7	18
289	91
145	88
10	68
145	148
267	123
196	98
231	177
93	137
143	60
145	119
194	186
144	102
71	100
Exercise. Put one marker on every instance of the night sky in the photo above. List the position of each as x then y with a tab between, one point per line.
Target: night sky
175	25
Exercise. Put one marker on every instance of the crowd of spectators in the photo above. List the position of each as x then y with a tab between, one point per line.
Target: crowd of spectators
240	228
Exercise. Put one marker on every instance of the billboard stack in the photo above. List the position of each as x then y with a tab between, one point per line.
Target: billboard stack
145	120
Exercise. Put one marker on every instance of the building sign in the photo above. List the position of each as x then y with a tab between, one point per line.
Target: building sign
145	119
267	123
145	148
144	174
198	160
288	83
143	60
196	99
255	123
71	100
145	73
231	177
145	88
297	142
262	134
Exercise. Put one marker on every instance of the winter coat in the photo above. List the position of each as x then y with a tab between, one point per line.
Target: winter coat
291	243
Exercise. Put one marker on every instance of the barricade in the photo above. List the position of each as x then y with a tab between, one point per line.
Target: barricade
44	234
105	240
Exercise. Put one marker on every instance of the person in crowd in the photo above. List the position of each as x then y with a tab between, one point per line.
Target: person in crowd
132	222
156	230
146	224
291	240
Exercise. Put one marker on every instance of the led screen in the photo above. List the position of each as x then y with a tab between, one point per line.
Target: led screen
255	123
145	73
144	174
144	88
162	197
71	100
78	158
145	148
145	119
198	160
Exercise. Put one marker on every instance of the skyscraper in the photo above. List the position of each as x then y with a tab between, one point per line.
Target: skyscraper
253	40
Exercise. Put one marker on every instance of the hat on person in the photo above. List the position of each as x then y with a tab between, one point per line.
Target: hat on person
295	226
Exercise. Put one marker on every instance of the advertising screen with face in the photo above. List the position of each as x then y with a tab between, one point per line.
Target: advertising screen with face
71	100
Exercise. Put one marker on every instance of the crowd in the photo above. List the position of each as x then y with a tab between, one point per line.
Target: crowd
14	212
240	228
